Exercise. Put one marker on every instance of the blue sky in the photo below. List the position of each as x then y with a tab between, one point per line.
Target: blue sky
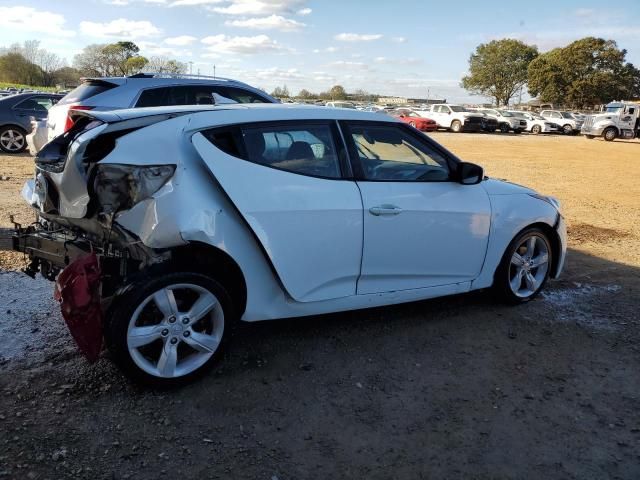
402	47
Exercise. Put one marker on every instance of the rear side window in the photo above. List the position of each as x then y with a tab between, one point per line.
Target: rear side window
240	95
306	149
86	90
153	97
196	95
41	104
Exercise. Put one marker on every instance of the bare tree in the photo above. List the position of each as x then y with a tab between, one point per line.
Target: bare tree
162	64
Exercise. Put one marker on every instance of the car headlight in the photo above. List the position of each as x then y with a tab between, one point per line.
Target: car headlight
119	187
550	200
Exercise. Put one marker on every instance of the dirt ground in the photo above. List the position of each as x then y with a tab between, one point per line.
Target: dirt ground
457	387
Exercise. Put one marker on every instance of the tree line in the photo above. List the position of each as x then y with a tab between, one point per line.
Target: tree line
28	64
588	72
337	92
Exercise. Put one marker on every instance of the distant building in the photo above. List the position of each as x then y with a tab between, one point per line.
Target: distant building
409	101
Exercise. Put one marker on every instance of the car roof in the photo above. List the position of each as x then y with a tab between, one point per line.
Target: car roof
245	112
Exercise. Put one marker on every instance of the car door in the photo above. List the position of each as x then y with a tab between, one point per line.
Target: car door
290	181
421	227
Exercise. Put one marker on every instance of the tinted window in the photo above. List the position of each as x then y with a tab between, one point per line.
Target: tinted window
196	95
153	97
304	149
227	140
240	95
391	153
86	90
307	149
41	104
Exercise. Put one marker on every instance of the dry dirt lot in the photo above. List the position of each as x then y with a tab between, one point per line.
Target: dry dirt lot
456	387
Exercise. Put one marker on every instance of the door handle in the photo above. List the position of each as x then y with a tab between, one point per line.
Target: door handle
385	210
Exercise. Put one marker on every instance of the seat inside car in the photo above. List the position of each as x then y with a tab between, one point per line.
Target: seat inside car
300	151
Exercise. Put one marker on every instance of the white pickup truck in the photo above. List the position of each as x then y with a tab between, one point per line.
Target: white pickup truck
457	118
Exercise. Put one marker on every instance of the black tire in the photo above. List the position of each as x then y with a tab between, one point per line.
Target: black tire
536	129
456	126
501	283
8	145
567	129
126	303
610	134
492	130
413	124
504	128
589	137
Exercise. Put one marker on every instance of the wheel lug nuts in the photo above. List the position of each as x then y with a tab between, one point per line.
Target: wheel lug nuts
172	319
174	340
185	320
187	333
165	332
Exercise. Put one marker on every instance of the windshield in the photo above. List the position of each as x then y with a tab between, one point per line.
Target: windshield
457	108
566	115
536	117
506	114
613	108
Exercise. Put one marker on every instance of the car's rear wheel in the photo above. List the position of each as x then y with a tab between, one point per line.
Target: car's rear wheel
504	128
168	329
536	129
12	139
413	124
525	266
456	126
567	129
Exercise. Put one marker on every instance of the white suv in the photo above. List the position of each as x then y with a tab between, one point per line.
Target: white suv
569	124
506	120
149	90
163	226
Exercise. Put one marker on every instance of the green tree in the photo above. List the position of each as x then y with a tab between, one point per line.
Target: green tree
498	69
338	92
14	68
114	59
587	72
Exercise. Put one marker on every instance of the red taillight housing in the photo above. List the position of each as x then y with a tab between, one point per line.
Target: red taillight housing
69	123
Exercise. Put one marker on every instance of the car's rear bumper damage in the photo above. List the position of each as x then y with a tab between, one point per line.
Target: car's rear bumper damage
86	276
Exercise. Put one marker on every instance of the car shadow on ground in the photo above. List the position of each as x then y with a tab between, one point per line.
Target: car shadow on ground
456	387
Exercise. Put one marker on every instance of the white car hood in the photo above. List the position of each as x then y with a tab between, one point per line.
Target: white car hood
494	186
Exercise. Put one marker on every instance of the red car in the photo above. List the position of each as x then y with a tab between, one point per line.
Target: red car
416	121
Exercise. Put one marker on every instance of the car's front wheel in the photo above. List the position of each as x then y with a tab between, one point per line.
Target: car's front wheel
456	126
168	329
567	129
536	129
525	266
12	139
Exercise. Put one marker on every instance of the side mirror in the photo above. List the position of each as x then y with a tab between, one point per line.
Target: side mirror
470	173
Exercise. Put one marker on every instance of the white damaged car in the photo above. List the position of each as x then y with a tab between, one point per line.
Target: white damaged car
164	226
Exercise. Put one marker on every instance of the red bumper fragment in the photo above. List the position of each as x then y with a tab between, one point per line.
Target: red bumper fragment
78	291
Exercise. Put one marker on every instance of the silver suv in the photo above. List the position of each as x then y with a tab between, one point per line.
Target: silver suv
149	90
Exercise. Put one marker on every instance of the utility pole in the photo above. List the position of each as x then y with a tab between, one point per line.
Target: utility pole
190	68
214	70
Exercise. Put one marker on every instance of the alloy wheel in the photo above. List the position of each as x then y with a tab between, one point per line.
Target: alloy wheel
529	266
12	140
175	330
